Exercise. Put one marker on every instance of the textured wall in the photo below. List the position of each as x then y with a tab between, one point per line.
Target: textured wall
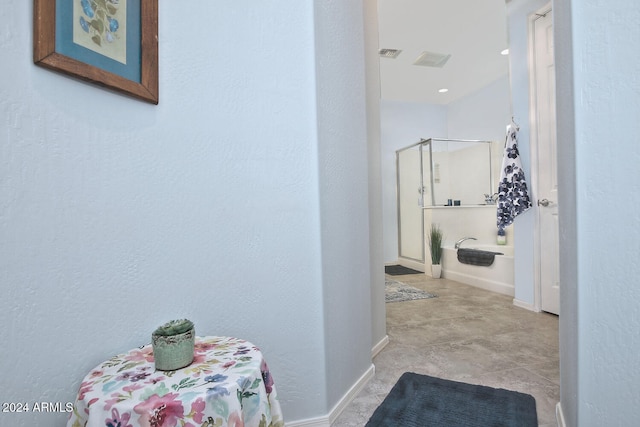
569	304
604	300
376	241
116	216
344	188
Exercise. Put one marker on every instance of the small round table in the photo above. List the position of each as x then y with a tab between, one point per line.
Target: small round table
228	384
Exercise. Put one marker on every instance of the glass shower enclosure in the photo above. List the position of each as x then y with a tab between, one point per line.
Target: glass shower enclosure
436	173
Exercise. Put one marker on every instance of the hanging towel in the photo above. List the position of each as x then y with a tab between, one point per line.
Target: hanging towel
513	197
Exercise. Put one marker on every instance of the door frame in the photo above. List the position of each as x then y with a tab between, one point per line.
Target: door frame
533	147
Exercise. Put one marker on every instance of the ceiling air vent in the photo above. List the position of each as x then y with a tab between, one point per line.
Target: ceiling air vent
432	59
389	53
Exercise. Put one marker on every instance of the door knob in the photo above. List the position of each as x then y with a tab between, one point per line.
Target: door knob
543	202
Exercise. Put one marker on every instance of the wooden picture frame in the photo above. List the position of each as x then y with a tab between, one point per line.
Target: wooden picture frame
54	35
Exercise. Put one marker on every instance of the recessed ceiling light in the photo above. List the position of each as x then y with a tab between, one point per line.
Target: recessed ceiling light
443	90
505	52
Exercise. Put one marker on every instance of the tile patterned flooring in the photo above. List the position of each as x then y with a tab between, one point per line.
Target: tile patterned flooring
466	334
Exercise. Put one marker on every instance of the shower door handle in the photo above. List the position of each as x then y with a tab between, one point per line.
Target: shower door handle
543	202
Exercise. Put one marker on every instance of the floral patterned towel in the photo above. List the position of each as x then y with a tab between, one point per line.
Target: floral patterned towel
513	196
228	384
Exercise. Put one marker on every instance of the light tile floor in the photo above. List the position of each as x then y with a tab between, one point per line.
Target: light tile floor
466	334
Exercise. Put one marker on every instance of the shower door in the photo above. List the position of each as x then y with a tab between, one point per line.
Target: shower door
411	191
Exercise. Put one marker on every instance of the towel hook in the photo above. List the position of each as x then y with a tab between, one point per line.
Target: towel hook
511	125
513	121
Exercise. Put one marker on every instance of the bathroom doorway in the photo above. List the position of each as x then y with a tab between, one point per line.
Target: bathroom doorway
413	99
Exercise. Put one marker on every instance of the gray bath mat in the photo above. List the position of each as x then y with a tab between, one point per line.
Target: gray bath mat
420	400
397	291
399	270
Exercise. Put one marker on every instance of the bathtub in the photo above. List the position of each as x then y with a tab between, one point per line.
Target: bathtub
498	277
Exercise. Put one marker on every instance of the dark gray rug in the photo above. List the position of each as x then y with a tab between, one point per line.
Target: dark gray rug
420	400
397	291
398	270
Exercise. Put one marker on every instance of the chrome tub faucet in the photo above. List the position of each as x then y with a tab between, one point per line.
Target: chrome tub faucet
459	242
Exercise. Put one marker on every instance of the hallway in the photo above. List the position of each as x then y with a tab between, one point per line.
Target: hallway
466	334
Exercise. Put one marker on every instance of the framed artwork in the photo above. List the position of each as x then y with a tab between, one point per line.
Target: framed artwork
111	43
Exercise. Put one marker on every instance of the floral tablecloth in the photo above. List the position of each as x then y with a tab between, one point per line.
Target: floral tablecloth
228	384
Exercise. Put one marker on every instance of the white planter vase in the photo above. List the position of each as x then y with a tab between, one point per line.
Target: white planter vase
436	271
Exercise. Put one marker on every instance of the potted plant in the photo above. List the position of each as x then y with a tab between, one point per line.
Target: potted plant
435	246
173	345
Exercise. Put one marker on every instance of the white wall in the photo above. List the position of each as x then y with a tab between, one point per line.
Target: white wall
483	114
376	242
598	107
569	300
219	204
344	195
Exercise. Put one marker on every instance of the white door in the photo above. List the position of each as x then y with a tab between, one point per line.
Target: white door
547	177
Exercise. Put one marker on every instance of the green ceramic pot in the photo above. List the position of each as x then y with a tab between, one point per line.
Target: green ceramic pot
172	352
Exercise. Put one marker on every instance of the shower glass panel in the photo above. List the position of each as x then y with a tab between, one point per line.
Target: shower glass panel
409	193
458	170
431	172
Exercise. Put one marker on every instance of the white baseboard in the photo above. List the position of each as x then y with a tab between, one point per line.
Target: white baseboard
478	282
314	422
326	421
352	393
524	305
378	347
560	415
